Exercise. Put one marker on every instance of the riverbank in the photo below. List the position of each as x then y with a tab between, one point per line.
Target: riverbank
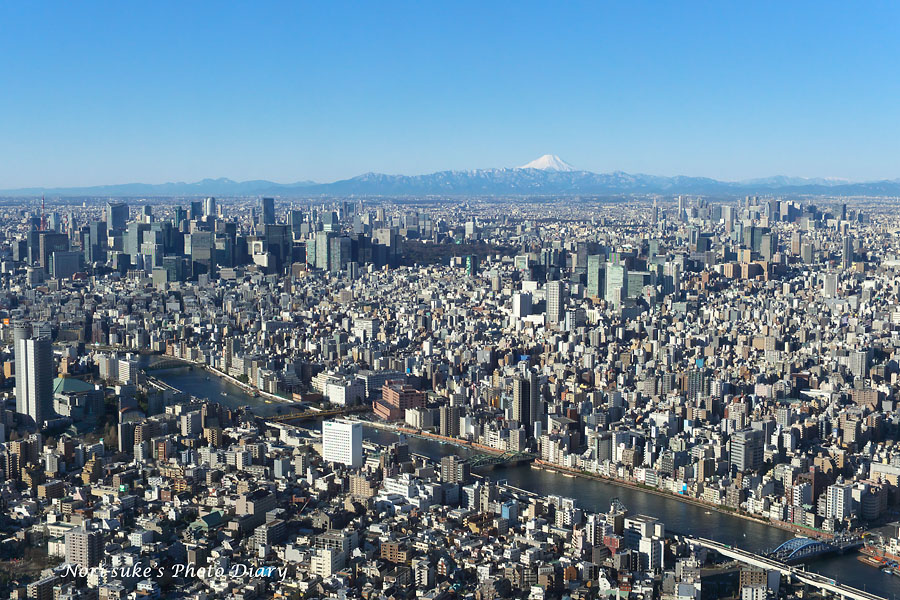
425	435
249	389
540	464
570	472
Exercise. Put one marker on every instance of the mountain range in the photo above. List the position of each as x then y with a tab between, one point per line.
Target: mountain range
547	175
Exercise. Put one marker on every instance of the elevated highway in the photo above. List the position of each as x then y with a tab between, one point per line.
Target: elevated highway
792	573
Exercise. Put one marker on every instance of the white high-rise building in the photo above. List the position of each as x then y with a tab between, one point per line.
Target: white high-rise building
34	376
556	301
342	442
839	501
521	305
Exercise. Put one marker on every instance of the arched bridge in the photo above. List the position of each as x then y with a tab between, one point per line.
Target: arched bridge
799	549
167	362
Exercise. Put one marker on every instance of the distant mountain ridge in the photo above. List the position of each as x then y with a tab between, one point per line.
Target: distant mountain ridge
547	175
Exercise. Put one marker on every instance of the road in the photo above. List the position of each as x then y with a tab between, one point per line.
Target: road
792	573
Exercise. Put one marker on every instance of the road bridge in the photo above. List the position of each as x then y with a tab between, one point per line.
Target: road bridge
315	414
476	461
792	573
167	362
797	549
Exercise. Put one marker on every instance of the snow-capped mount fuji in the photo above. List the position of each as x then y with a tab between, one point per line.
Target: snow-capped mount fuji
549	162
547	175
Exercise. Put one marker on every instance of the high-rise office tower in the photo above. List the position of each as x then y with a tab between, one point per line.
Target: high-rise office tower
847	252
526	400
556	302
616	284
209	207
323	250
116	216
266	211
97	243
278	242
796	241
296	220
196	210
521	304
340	248
180	217
50	242
859	363
34	375
596	275
342	443
830	286
768	245
747	449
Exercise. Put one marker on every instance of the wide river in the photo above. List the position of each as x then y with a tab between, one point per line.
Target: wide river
591	495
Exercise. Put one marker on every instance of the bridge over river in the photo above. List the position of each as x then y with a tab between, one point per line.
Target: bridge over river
793	573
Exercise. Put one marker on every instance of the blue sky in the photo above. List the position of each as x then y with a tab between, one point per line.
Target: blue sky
120	92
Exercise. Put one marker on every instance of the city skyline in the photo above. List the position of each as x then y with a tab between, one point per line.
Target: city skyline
290	93
446	301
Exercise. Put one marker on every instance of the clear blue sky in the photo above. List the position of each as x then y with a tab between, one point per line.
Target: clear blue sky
124	91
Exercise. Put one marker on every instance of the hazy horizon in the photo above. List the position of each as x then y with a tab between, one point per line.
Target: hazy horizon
322	181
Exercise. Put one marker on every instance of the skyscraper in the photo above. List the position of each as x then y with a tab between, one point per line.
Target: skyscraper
556	302
323	250
266	211
526	400
847	253
596	276
859	363
116	216
34	375
209	207
96	245
521	304
342	443
616	284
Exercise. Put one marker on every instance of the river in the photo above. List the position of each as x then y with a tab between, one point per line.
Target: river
203	384
591	495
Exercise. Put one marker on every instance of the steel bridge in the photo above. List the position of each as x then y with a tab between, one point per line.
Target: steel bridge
168	362
799	548
315	414
815	580
476	461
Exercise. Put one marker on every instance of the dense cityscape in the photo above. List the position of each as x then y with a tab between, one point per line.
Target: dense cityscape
367	397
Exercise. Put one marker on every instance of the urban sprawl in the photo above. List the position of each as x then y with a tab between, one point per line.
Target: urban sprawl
737	354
